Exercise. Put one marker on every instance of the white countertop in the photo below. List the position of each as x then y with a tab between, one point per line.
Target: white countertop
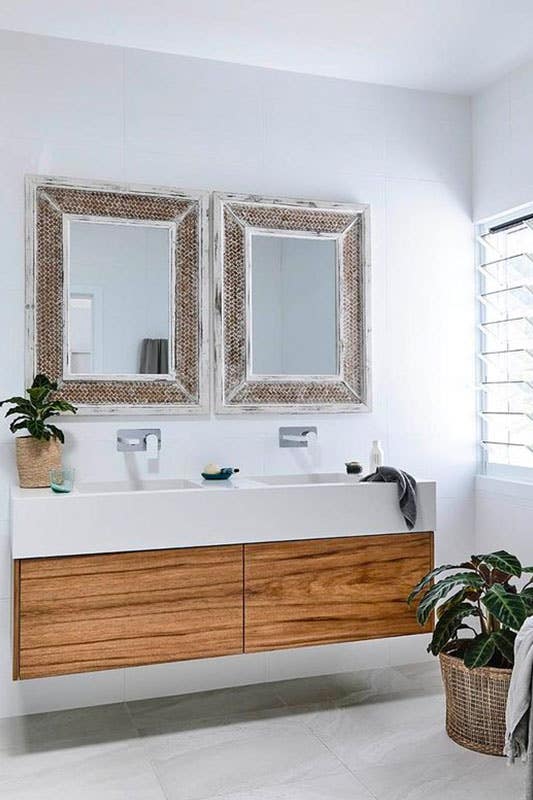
113	518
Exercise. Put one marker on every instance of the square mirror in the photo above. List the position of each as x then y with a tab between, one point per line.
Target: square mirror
119	277
293	316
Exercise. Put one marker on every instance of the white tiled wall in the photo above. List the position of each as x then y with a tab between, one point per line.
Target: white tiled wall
90	111
503	180
504	517
502	123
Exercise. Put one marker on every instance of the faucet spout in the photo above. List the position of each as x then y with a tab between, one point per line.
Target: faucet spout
297	436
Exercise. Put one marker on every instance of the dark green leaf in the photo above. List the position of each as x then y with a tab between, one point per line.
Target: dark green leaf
37	429
529	570
480	651
57	433
21	408
527	597
43	381
442	589
502	561
14	400
38	396
55	407
454	600
509	609
504	641
18	425
428	578
448	625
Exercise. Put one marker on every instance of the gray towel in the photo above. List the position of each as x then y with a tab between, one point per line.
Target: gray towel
406	490
518	716
154	357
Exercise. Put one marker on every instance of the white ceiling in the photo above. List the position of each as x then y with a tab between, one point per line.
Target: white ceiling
444	45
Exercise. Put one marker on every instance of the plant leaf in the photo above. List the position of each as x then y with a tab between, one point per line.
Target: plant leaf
454	600
57	433
39	395
509	609
527	597
20	408
428	578
43	381
55	407
480	651
448	625
441	589
14	400
504	641
37	429
502	561
18	425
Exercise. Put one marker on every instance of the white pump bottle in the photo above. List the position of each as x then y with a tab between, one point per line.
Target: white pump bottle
376	456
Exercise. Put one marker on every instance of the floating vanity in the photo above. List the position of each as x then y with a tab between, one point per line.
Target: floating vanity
120	575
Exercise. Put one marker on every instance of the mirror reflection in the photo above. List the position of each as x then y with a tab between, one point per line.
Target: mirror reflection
118	312
294	327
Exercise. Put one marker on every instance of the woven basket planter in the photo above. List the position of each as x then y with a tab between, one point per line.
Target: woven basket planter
475	704
35	459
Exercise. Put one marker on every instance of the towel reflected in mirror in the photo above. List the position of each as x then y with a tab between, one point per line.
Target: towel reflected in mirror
154	357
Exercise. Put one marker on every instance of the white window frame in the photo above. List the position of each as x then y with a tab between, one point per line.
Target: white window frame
504	471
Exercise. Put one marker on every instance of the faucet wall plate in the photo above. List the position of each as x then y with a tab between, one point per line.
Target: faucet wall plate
133	440
296	436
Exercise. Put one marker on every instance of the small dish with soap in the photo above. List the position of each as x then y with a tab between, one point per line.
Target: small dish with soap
212	472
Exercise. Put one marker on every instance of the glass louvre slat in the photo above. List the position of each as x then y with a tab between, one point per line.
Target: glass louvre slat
504	427
510	334
506	272
511	454
514	365
504	303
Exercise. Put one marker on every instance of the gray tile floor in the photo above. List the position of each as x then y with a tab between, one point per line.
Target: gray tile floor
375	735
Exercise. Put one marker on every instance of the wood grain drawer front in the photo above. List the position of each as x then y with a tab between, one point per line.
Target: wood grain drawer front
82	613
332	590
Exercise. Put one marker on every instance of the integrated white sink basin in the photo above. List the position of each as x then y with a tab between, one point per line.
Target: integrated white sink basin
156	514
108	487
306	480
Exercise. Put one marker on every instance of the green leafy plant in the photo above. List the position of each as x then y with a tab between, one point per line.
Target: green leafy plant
479	607
31	413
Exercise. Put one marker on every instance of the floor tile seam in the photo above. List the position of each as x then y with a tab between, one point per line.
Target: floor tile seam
354	775
131	719
142	742
283	783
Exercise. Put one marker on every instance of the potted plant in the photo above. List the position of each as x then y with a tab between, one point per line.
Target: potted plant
479	609
40	451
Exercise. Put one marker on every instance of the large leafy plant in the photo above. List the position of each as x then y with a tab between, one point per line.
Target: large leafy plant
32	412
480	605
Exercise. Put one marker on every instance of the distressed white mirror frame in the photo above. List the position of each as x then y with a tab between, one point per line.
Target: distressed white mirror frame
236	219
52	204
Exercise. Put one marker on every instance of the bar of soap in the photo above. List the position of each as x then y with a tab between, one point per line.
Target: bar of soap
211	469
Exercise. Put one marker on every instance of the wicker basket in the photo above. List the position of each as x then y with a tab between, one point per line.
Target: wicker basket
35	459
475	704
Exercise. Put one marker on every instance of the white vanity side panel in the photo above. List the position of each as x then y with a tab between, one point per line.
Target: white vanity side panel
46	525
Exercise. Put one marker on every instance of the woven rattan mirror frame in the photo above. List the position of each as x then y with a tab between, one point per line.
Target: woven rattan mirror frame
234	216
48	201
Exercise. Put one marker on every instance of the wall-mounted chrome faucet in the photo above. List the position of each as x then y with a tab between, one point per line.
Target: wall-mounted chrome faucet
297	436
139	439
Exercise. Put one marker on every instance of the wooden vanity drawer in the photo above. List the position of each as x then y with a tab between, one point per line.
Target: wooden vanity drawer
83	613
332	590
